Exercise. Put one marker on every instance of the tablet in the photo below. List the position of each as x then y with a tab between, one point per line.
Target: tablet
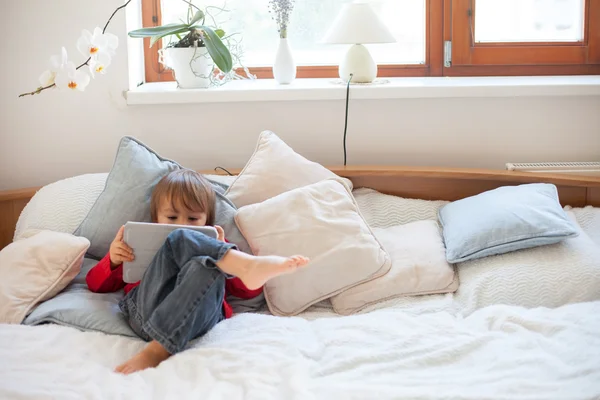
146	239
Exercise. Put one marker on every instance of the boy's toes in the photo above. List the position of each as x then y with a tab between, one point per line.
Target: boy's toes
299	261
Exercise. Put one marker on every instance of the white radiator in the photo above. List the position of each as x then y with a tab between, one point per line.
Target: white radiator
576	168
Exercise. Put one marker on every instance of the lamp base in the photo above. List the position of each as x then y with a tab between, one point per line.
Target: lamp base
358	61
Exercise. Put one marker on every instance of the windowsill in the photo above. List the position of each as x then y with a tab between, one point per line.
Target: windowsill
397	88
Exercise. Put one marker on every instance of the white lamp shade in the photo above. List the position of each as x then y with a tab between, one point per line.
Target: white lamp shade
358	23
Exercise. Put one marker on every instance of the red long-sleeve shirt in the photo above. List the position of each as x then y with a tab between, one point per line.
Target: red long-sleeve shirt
103	279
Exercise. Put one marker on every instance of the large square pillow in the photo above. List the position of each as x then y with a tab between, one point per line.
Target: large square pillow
320	221
419	267
547	276
126	197
35	269
503	220
275	168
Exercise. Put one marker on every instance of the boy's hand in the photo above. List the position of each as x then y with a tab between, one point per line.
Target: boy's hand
220	233
119	250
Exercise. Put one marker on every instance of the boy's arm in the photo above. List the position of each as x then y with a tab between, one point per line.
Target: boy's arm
103	279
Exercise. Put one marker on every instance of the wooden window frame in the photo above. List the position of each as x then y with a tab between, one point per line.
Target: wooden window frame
446	20
524	58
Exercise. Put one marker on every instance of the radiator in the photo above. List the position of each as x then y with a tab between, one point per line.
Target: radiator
576	168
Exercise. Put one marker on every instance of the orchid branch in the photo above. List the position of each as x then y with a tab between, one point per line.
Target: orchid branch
41	88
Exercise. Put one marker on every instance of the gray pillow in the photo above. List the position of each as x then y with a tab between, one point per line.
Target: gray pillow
503	220
126	197
79	308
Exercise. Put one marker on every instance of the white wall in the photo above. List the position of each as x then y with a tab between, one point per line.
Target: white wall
54	135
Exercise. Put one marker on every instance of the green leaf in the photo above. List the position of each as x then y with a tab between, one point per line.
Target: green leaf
217	50
220	33
158	30
176	33
197	17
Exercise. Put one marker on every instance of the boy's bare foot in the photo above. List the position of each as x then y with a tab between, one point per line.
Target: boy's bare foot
150	357
255	271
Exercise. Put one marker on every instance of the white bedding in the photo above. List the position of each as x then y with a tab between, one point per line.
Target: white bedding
407	348
500	352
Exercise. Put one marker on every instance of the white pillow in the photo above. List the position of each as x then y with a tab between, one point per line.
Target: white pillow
589	220
419	267
275	168
320	221
546	276
384	211
35	269
61	206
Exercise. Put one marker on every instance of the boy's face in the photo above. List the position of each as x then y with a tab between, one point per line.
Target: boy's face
168	213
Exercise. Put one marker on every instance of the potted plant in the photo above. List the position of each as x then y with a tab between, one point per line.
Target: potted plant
194	54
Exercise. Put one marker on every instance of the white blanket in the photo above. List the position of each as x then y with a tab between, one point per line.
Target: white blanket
499	352
407	348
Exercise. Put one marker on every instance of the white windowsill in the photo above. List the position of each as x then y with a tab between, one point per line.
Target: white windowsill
397	88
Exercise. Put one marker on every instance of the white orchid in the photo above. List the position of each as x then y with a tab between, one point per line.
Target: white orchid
90	45
70	77
56	64
99	63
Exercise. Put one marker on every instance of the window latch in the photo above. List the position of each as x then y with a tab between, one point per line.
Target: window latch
447	53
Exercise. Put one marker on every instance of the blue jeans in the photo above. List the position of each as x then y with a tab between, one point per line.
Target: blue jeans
181	294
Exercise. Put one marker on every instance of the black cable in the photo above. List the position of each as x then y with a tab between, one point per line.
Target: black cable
346	121
227	172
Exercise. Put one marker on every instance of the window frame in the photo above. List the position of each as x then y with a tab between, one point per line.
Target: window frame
519	58
446	20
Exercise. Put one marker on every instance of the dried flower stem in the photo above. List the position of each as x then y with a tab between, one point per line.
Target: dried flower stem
281	11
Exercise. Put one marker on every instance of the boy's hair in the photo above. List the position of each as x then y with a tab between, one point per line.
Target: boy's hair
185	188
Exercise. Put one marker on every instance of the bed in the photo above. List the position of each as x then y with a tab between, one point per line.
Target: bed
422	347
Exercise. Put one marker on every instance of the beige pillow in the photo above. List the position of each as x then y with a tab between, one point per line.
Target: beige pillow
275	168
35	269
418	267
320	221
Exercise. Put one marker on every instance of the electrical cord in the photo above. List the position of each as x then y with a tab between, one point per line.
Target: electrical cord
221	168
346	119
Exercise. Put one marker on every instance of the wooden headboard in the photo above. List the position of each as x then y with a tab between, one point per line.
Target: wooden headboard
411	182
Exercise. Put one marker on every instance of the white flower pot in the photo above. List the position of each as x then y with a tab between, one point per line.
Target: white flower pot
284	68
192	66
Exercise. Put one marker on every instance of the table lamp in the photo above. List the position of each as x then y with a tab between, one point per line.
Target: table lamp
358	24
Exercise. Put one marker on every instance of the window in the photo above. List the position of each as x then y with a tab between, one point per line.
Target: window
488	37
524	37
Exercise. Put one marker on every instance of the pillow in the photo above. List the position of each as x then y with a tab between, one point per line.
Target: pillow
61	206
79	308
384	210
589	219
275	168
548	276
35	269
503	220
320	221
126	197
418	267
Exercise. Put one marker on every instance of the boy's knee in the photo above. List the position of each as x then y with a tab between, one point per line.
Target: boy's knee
182	236
177	236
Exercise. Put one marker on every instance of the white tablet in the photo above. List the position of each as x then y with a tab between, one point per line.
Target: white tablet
146	239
